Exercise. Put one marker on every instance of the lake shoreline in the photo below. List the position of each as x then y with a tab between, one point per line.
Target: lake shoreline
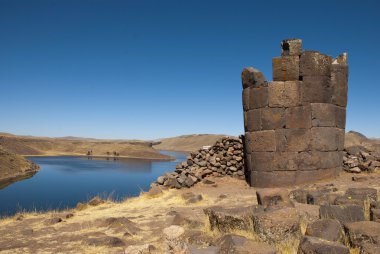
169	158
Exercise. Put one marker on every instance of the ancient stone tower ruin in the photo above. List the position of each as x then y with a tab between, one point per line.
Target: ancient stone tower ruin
294	125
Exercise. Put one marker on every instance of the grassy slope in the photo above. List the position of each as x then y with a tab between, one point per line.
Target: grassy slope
188	143
62	146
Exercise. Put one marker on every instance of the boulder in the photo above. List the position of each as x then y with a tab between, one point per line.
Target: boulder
375	214
328	229
229	219
363	232
154	191
273	197
109	241
362	193
174	240
368	248
95	201
314	245
241	245
343	213
202	250
277	224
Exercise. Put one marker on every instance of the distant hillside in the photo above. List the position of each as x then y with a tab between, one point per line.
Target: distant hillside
188	143
26	145
354	138
14	167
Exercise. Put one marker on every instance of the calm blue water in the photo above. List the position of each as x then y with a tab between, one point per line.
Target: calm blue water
64	181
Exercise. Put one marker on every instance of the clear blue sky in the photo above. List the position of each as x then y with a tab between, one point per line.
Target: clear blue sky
151	69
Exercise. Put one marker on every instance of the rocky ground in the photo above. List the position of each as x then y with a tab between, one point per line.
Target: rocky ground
215	216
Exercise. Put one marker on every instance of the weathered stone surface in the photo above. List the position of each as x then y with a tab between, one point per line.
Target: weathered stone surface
245	98
316	175
313	245
258	97
174	239
259	161
254	119
291	47
343	213
293	140
315	89
362	193
277	224
375	215
327	138
240	245
273	179
273	197
339	84
313	63
368	248
348	200
252	77
105	240
363	232
284	161
260	141
272	118
202	250
298	117
328	229
226	220
286	68
154	191
284	94
328	115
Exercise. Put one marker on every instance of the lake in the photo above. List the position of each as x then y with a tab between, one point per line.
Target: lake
62	182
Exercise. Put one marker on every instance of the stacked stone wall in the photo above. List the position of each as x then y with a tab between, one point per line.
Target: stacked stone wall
295	125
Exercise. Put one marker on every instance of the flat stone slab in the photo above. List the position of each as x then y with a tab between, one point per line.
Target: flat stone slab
327	229
314	245
343	213
241	245
363	232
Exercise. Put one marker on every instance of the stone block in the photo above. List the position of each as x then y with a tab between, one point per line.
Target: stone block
252	77
253	119
328	229
343	213
284	94
362	193
277	225
273	179
298	117
285	68
327	138
315	175
328	115
287	161
261	141
316	89
332	159
245	98
239	245
272	118
268	197
309	160
291	47
314	245
261	161
258	97
313	63
363	232
292	140
339	84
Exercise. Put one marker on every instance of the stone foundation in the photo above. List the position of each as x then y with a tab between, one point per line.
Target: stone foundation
295	125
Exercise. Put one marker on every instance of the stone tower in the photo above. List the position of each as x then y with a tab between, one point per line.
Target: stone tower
294	125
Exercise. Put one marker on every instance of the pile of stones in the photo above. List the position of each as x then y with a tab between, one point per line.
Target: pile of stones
357	160
223	158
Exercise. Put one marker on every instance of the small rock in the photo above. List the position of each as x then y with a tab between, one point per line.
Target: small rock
241	245
154	191
202	250
81	206
359	178
174	239
52	221
95	201
207	181
139	249
161	180
313	245
273	197
109	241
354	170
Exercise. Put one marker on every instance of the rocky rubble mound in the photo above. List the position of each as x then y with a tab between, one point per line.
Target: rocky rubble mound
223	158
357	159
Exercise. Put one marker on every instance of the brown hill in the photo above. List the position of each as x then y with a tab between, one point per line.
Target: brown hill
188	143
42	146
14	167
356	139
